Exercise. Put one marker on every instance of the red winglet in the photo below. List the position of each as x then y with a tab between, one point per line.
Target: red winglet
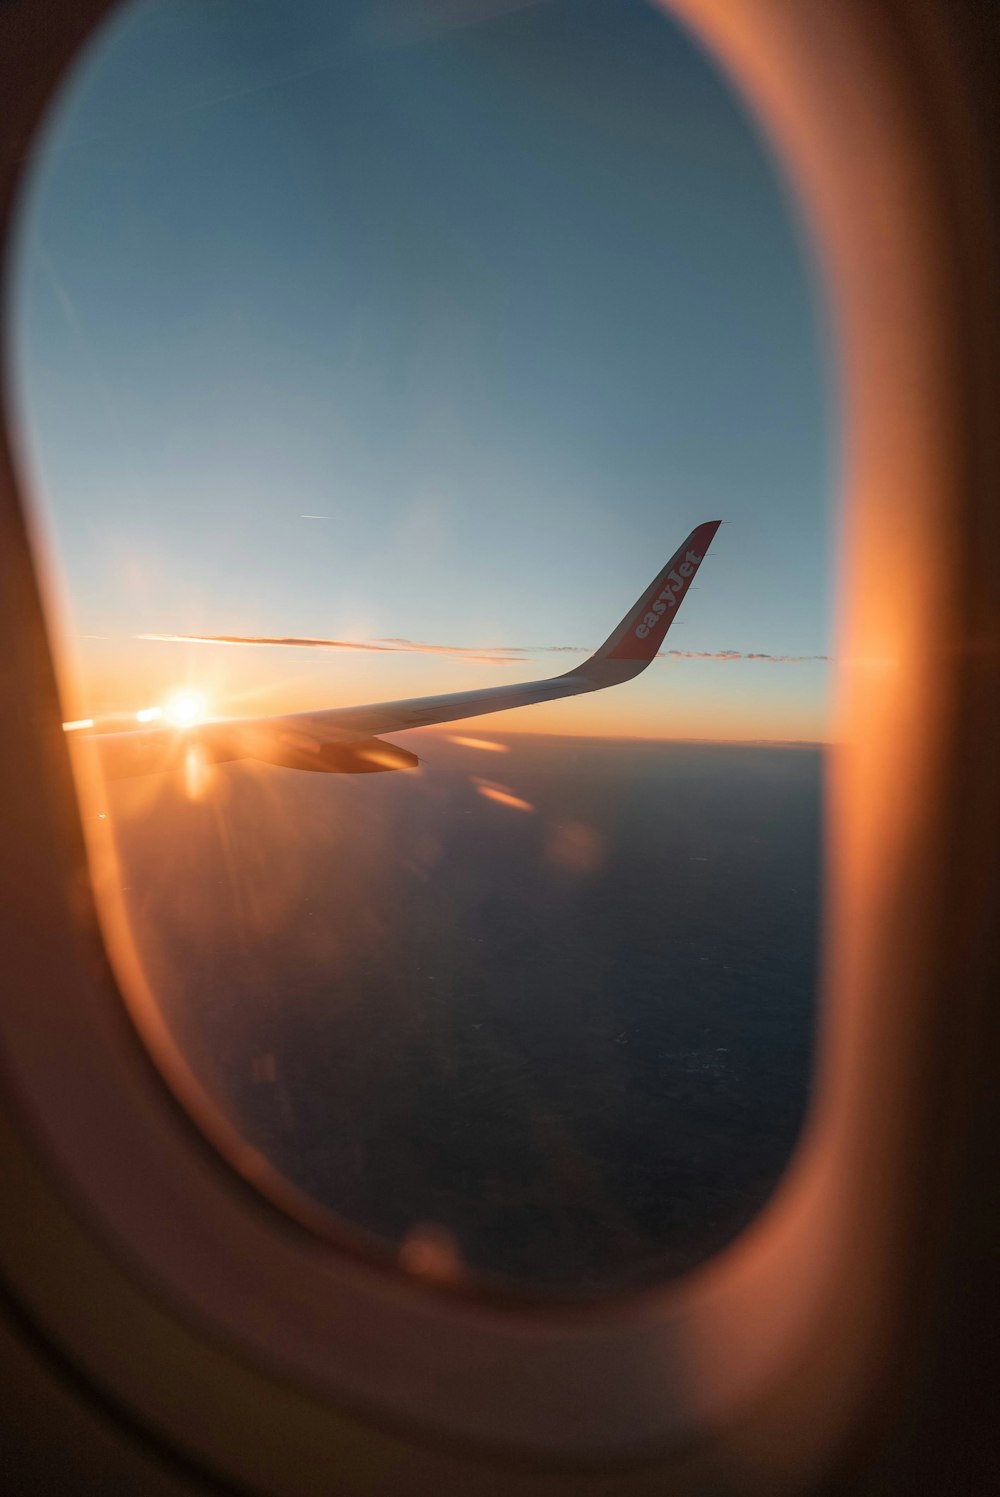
641	633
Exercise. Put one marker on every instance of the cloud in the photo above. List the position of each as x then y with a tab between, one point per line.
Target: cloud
700	655
740	655
488	655
682	654
495	654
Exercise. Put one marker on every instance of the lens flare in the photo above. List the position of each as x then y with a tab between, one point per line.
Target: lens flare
489	745
199	772
501	794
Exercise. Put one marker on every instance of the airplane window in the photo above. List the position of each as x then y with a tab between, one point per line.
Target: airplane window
386	368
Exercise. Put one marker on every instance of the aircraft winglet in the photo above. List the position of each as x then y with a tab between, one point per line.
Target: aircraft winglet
641	632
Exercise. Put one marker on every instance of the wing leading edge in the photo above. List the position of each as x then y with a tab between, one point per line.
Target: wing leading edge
320	740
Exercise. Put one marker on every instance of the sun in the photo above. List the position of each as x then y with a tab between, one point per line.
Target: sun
185	709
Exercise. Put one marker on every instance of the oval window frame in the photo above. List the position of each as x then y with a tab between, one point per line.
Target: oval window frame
121	1246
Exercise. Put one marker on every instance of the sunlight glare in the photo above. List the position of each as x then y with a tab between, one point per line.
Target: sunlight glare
184	709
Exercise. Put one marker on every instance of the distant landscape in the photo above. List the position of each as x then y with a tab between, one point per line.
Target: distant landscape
555	996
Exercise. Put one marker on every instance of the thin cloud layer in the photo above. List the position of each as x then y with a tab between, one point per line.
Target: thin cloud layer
489	655
740	655
498	656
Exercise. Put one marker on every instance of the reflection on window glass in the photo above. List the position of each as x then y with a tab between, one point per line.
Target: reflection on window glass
379	351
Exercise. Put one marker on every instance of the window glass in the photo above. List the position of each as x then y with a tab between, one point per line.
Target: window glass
377	351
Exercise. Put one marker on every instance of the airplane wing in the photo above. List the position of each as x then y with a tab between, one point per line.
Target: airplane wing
344	739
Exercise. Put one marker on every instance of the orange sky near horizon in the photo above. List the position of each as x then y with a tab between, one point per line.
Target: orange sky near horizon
712	700
455	342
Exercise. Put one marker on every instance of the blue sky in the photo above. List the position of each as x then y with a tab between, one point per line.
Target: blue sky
512	295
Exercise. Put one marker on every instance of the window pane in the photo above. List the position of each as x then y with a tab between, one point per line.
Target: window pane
375	351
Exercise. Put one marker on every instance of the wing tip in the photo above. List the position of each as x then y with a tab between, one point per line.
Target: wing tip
641	633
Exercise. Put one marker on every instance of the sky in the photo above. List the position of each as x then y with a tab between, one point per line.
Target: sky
437	323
